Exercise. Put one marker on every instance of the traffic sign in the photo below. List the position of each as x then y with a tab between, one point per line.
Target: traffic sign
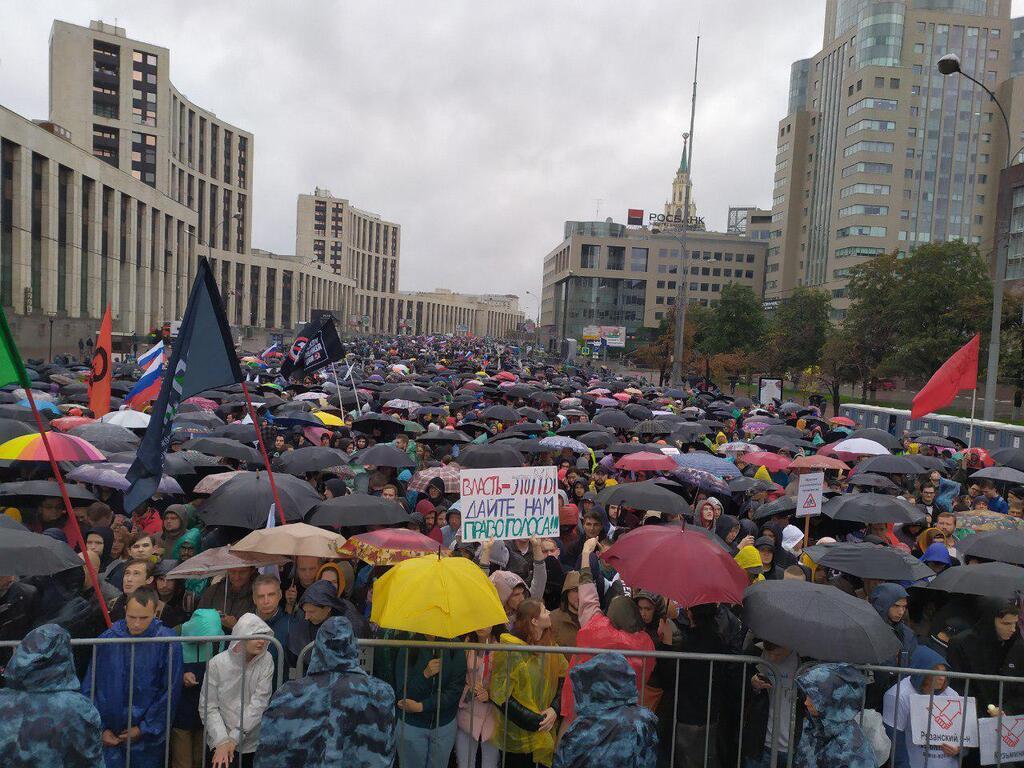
808	494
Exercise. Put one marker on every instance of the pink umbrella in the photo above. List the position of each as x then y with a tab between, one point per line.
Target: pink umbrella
818	462
773	462
599	391
203	402
621	397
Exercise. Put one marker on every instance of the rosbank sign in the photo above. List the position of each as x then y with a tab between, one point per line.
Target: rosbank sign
635	217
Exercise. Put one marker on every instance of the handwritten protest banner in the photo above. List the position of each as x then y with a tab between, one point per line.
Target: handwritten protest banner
509	503
1008	736
944	724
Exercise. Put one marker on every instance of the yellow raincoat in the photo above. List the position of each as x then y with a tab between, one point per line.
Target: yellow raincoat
532	680
748	558
762	474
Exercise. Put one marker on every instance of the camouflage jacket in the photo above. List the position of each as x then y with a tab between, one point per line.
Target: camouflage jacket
833	738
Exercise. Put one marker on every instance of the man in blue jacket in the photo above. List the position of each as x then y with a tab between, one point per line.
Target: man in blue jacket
142	728
44	719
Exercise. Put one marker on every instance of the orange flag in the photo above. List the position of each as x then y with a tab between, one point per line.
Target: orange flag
99	377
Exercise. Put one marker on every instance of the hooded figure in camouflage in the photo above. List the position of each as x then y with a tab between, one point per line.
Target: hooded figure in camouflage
610	727
44	718
336	715
832	736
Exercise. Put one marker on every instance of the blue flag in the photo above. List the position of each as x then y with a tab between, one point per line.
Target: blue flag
203	358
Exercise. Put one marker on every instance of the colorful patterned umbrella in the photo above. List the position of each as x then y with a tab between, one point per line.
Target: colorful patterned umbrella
203	402
713	464
560	441
449	474
976	522
64	447
390	546
700	479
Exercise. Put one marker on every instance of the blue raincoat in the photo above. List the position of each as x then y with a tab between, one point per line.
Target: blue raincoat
44	719
336	715
610	728
834	738
155	664
882	599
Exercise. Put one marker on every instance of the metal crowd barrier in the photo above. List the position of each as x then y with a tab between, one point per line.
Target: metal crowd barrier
170	642
369	647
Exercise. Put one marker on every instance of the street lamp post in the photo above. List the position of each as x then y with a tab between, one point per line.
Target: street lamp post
536	325
950	65
51	316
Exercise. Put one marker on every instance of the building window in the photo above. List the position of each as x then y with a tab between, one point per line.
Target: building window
888	105
318	251
228	136
876	168
616	258
638	259
886	147
590	257
144	157
864	210
863	231
106	79
144	88
865	189
105	144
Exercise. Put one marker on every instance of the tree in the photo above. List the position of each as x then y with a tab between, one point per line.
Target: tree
838	363
873	318
738	321
797	332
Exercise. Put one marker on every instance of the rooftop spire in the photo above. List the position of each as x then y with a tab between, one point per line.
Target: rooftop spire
683	165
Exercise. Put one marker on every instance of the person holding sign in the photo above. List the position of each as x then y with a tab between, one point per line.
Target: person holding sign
896	714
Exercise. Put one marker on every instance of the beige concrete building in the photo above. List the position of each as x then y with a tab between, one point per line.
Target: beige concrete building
879	152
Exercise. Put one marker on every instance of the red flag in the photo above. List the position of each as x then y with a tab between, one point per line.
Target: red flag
958	373
99	377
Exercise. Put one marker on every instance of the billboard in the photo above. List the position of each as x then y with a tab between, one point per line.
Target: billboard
614	335
635	217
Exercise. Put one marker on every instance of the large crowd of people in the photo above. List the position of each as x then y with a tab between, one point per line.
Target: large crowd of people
440	404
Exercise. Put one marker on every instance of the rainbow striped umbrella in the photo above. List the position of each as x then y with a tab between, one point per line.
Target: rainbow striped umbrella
64	447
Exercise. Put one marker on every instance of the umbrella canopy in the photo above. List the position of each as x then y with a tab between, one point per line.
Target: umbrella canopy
819	622
312	458
211	483
558	442
64	424
437	596
110	438
890	465
355	510
37	489
773	462
390	546
112	475
128	418
698	478
784	505
244	500
869	561
224	447
873	481
64	447
1001	546
707	462
860	446
219	560
449	474
12	428
490	456
386	427
615	419
978	521
818	462
646	462
445	437
292	539
999	580
384	456
1000	474
683	565
647	495
778	442
890	441
872	508
23	553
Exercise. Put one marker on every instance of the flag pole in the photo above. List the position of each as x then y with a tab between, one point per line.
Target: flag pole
263	450
93	578
974	400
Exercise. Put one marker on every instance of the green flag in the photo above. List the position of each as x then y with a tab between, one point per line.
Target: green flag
12	370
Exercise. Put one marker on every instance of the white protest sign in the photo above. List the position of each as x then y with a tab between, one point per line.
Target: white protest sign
1010	739
808	494
509	503
946	722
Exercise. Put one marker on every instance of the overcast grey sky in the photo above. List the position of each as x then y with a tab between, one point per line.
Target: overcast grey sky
479	126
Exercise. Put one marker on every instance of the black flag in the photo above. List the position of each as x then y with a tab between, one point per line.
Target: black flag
316	346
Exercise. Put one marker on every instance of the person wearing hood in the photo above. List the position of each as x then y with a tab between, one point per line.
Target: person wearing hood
175	522
335	715
770	570
831	736
728	528
512	589
426	509
318	603
565	620
142	728
896	713
993	646
937	557
611	728
187	741
890	601
101	541
44	718
793	540
453	524
749	559
621	629
235	693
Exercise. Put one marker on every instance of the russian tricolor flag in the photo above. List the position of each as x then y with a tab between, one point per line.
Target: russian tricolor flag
147	358
147	388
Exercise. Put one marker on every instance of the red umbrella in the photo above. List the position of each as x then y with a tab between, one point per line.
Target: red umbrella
842	421
773	462
684	565
818	461
203	402
67	423
646	462
389	546
505	376
622	397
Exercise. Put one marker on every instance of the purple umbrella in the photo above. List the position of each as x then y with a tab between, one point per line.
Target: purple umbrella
700	480
755	427
112	475
607	402
705	461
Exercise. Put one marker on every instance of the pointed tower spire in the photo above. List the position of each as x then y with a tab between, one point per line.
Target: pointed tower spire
683	165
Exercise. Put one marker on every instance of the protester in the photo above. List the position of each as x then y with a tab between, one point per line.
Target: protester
831	736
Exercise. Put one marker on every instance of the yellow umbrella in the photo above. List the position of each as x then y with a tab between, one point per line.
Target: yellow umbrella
438	596
329	419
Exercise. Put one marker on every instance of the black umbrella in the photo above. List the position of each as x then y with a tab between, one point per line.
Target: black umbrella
880	436
545	397
199	417
786	431
475	428
819	622
776	442
653	427
596	440
742	484
444	437
890	465
927	463
999	580
500	413
872	508
410	392
36	489
1002	546
23	553
616	419
314	458
869	561
12	428
243	433
355	510
872	480
387	427
637	411
577	428
532	413
1000	474
107	437
621	449
784	505
223	447
244	500
1009	457
490	456
647	495
936	441
528	428
384	456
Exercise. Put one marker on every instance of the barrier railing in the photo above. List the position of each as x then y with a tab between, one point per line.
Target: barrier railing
94	676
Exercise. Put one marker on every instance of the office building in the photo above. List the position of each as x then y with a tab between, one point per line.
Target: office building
878	151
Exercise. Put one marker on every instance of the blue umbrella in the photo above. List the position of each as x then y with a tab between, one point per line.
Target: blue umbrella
708	463
42	405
